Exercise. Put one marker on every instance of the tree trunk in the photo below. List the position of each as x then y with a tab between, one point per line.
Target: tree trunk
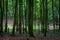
20	15
1	16
53	14
46	18
59	15
14	11
42	17
30	18
6	15
16	14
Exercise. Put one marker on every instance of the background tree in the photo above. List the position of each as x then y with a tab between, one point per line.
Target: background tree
53	14
30	17
59	15
6	15
17	15
42	16
26	15
46	18
1	16
14	11
20	15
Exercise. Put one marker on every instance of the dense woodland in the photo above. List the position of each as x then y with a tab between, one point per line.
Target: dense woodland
29	16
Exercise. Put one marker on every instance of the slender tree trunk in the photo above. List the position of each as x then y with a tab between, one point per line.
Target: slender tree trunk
1	21
20	15
30	18
13	31
42	17
6	15
46	18
16	10
59	15
41	12
0	14
26	14
22	18
53	14
15	17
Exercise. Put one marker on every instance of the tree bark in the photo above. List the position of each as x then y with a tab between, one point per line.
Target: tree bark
20	15
14	11
30	18
6	15
1	16
46	18
53	14
59	15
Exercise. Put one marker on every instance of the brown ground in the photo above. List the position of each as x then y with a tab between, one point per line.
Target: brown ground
27	38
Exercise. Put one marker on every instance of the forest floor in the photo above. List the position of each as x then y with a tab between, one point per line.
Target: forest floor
5	37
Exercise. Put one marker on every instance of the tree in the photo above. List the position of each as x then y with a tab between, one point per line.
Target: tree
42	15
17	11
14	11
20	15
53	14
46	18
1	16
30	17
59	15
6	15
